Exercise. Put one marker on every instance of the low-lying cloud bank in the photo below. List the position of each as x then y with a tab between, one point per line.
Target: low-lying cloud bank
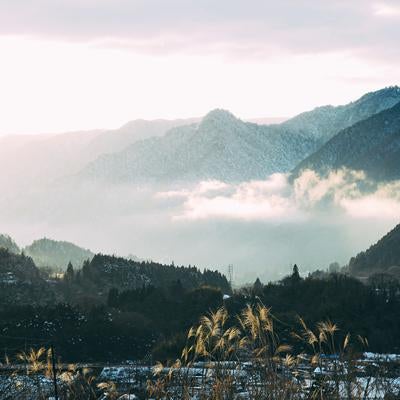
261	227
248	201
276	198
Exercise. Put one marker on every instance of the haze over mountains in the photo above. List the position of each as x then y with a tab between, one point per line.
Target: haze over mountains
219	147
381	257
213	191
49	253
44	158
225	148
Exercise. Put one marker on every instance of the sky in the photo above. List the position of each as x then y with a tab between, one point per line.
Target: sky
84	64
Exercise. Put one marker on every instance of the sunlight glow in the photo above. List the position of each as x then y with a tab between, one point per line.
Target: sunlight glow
52	86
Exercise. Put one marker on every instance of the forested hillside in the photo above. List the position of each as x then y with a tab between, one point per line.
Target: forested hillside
383	256
226	148
57	254
372	146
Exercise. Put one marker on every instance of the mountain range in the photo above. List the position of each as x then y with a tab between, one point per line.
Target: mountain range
326	121
217	146
220	147
226	148
371	145
53	174
45	158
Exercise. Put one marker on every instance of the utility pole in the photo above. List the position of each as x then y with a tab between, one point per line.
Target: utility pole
53	362
230	274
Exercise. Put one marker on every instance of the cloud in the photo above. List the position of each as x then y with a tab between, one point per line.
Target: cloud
177	58
262	227
210	187
248	201
233	26
387	10
310	188
384	203
276	199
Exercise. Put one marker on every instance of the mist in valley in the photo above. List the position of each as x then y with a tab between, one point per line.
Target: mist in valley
260	227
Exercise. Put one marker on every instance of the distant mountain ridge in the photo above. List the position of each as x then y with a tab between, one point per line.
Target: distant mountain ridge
43	158
106	271
380	257
6	242
219	147
21	281
111	141
57	254
53	253
326	121
223	147
371	145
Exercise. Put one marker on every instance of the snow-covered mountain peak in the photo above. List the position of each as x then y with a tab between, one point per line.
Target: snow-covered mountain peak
218	117
224	147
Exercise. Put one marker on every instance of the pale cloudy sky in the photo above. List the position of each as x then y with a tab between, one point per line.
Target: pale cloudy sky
81	64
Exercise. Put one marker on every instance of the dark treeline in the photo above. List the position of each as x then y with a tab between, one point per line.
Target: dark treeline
109	310
115	309
128	328
368	309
